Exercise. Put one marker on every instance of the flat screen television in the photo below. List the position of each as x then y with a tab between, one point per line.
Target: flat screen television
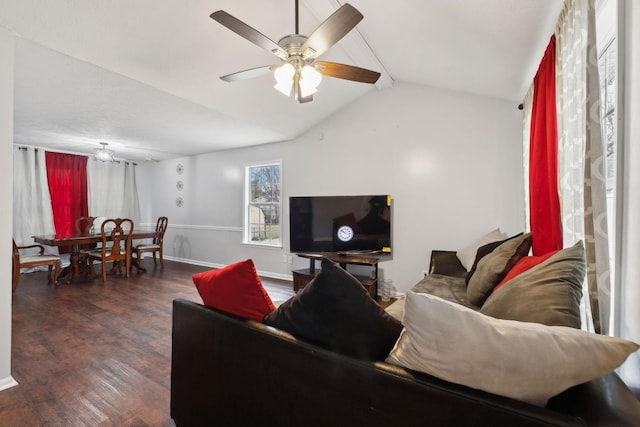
342	224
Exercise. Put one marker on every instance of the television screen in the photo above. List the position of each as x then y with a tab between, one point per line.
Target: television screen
345	224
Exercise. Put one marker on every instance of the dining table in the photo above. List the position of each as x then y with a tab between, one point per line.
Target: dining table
75	241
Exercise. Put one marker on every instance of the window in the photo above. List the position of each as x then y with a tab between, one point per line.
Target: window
606	29
607	65
263	206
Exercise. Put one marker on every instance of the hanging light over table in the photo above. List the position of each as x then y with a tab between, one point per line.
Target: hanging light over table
103	154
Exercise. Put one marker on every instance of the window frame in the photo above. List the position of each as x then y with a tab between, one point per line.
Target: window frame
246	227
610	33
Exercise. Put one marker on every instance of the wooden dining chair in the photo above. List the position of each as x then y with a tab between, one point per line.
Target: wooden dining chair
156	245
84	225
30	261
116	231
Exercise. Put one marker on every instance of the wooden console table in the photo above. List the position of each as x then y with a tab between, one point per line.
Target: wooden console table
302	277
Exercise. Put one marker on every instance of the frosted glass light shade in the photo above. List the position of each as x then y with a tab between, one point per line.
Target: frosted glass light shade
284	78
309	80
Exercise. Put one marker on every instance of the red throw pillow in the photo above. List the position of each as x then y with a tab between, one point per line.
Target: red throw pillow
524	264
235	289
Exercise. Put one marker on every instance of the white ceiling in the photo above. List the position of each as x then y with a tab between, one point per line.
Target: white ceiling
142	75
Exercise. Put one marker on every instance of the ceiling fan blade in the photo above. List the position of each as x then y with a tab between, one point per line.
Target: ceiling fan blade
249	33
331	31
347	72
248	74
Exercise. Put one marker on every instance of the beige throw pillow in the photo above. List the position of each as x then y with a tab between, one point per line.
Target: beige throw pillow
525	361
467	255
492	268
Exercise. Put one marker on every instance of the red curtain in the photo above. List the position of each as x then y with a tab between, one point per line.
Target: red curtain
67	175
546	222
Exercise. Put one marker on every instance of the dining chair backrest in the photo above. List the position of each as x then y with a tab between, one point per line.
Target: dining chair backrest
84	224
97	223
118	231
161	227
155	247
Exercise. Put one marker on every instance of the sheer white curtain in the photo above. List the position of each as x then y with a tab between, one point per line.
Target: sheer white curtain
112	191
581	161
527	106
32	212
131	204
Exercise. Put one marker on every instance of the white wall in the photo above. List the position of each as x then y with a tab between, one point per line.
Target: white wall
452	163
630	274
6	193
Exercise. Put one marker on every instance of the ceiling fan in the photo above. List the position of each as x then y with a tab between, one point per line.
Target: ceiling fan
300	71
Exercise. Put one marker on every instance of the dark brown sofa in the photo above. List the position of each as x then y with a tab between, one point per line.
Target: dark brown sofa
227	371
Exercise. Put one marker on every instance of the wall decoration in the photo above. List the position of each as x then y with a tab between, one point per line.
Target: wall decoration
179	168
179	185
179	202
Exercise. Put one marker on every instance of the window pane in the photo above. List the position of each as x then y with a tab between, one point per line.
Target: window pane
265	184
263	208
264	223
607	62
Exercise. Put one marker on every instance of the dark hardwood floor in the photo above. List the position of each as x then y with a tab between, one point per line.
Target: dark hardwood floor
94	354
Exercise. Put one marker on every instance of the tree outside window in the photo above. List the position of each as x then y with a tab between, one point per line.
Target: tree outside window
607	65
263	187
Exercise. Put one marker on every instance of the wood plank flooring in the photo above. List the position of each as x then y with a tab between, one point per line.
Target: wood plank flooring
94	354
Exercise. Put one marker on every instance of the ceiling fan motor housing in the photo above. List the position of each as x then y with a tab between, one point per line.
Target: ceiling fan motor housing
292	44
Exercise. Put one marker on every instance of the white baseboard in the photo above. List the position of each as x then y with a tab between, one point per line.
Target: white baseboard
7	382
269	274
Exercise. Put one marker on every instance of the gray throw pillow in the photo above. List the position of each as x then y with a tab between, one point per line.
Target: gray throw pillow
492	268
483	251
549	293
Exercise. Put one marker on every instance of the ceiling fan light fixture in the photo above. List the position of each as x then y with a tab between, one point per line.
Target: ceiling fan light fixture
284	88
103	154
284	78
306	90
310	79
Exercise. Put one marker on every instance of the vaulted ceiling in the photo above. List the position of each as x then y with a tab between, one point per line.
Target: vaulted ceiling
143	75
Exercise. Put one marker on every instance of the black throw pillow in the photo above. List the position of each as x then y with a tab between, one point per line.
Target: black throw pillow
334	311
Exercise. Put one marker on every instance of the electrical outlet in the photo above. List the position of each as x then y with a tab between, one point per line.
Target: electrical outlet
290	259
284	258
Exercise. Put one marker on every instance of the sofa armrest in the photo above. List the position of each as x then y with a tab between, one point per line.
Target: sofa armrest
446	263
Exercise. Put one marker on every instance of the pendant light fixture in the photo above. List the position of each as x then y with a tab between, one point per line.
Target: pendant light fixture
103	154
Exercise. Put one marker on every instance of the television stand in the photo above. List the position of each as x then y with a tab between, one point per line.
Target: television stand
302	277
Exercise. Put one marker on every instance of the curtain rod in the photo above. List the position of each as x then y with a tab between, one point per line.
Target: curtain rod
24	147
